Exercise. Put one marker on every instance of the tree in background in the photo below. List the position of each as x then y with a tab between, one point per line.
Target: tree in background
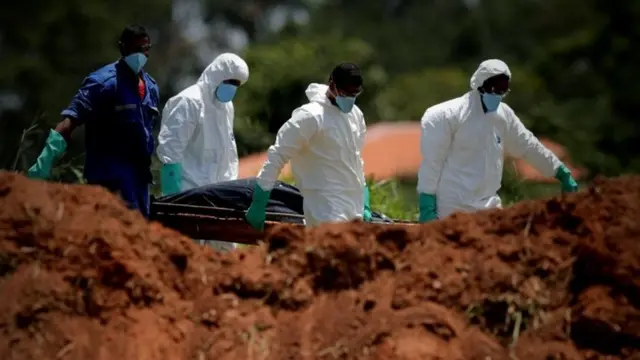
574	62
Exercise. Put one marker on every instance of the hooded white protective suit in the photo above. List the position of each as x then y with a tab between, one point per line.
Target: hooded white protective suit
197	129
463	148
323	145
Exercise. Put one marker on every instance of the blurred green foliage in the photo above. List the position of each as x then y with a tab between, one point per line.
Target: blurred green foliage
574	65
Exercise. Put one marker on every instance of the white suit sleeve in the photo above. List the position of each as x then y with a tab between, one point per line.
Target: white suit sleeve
293	136
435	140
179	120
522	144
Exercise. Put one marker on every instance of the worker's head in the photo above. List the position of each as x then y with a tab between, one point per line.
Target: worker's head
491	80
134	46
224	76
345	84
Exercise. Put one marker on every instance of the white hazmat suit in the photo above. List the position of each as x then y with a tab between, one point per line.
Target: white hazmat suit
323	145
197	129
463	148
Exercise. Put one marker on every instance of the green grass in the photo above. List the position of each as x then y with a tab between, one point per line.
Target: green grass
395	198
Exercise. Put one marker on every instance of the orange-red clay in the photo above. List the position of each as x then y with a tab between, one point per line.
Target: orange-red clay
82	277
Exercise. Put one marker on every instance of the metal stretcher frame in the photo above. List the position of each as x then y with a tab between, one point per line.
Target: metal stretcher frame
222	224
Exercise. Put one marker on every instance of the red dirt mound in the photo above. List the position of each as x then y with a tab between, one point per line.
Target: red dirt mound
81	277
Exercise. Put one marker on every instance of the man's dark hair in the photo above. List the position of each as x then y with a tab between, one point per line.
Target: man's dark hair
346	74
132	33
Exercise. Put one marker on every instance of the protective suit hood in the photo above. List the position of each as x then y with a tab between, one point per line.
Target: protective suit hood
488	69
224	67
318	93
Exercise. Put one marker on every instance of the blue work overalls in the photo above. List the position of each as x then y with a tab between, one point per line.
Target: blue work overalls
118	125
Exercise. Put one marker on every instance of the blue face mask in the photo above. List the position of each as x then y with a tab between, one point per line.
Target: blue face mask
345	104
226	92
491	101
136	61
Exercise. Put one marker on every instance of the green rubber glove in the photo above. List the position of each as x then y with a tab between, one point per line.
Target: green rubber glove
53	149
568	184
256	214
428	207
171	178
366	214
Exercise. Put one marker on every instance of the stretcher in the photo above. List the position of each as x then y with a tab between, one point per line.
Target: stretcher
216	212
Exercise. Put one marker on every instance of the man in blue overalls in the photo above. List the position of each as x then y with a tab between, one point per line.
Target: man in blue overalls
118	105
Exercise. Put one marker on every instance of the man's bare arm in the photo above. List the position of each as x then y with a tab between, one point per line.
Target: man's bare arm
66	128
